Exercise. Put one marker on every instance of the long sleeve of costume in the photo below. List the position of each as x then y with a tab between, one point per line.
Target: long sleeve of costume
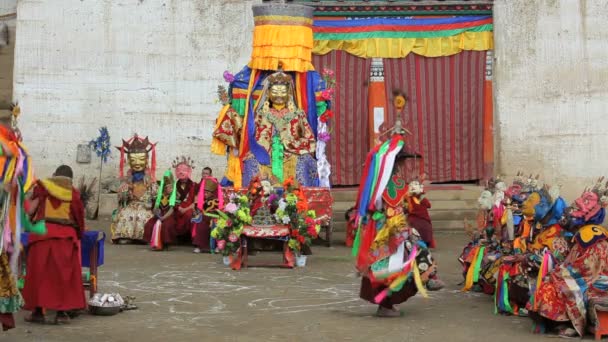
229	129
77	212
301	138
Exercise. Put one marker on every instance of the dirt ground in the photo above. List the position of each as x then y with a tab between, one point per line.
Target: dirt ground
193	297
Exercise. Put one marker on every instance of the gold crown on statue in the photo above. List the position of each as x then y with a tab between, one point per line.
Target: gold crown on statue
136	145
279	77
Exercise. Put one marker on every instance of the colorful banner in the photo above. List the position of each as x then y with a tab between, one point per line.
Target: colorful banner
395	38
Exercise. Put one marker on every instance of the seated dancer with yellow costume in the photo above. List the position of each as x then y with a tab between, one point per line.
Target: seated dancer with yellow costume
394	261
136	191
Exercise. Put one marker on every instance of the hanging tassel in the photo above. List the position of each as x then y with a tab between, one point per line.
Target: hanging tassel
28	174
542	272
233	170
471	271
357	242
418	280
478	261
153	166
16	224
201	195
497	290
36	228
121	167
277	158
510	225
505	305
159	192
173	197
220	197
369	233
244	141
380	296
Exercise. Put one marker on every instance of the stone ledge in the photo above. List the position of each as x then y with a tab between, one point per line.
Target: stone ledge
107	204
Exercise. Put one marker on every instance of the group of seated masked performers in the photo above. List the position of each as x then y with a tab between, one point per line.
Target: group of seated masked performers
165	212
537	255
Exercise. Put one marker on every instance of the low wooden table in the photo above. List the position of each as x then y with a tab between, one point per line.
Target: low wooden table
276	232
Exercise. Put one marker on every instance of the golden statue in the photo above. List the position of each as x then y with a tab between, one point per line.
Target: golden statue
136	192
284	141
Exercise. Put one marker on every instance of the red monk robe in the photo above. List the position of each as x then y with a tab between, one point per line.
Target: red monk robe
186	193
53	274
202	224
184	204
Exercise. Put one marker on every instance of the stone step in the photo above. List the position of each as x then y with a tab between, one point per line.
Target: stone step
107	203
435	205
436	214
448	225
468	192
454	205
438	225
453	215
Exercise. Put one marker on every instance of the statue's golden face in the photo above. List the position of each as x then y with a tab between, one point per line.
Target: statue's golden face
138	161
278	94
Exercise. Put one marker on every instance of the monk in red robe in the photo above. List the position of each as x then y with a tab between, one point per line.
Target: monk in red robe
186	192
163	212
53	278
209	203
418	212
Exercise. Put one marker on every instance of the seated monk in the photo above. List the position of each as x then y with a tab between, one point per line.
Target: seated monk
163	211
186	191
206	202
54	274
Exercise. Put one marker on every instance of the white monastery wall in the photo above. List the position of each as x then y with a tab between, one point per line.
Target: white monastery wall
150	67
153	67
551	90
7	17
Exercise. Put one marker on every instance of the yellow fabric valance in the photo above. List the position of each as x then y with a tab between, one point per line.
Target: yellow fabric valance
289	45
401	47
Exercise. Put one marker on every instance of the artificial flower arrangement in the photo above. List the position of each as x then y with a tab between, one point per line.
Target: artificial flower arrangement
292	210
324	108
229	224
102	147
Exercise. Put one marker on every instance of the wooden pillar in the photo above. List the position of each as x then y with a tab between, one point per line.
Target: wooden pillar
377	100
